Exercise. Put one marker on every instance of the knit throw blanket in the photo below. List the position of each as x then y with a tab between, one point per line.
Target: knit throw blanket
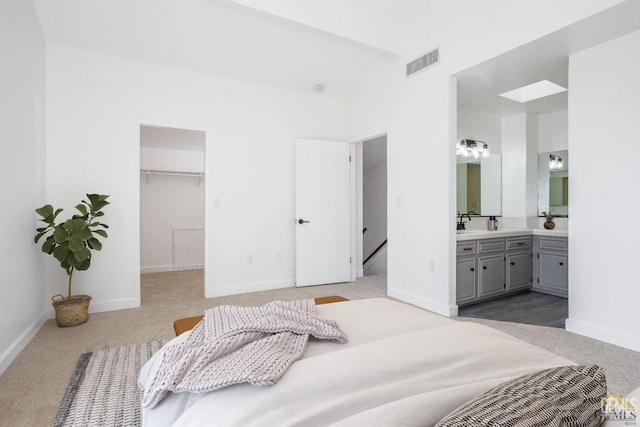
232	345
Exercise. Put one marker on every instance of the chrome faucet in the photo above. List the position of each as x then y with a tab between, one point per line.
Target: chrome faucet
460	225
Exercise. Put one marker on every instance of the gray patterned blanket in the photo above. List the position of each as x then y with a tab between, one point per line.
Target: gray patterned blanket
232	345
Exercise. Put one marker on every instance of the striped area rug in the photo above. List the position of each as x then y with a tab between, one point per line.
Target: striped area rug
103	390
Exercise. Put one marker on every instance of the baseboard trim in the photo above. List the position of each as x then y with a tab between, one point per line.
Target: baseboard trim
611	336
114	304
248	287
156	269
21	342
109	305
427	304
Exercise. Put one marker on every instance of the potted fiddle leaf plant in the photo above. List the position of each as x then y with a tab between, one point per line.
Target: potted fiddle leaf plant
71	243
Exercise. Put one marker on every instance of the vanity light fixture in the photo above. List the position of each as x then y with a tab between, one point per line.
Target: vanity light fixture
472	148
555	162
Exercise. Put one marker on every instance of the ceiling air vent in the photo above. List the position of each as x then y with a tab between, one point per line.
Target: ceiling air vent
425	61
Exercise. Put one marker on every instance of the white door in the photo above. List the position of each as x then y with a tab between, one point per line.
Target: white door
323	212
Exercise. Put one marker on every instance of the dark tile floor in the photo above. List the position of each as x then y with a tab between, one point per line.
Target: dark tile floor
532	308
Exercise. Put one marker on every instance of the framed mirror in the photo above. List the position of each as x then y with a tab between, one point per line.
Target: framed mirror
479	185
553	183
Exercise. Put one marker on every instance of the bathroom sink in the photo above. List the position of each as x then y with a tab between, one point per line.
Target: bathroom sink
469	231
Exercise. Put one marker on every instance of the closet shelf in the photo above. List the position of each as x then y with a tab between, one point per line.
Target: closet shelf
152	172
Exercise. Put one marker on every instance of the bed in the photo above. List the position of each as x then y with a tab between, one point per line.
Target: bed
401	366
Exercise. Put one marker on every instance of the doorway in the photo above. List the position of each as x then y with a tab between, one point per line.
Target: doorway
172	209
374	206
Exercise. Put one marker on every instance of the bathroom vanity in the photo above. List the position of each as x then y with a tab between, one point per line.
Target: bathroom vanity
493	264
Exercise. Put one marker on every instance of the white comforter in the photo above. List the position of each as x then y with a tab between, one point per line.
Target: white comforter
402	366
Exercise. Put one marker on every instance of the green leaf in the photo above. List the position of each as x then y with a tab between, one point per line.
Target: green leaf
49	245
85	234
83	209
101	233
39	235
82	255
61	252
71	261
96	198
76	244
45	211
60	235
84	265
94	244
75	225
97	202
98	213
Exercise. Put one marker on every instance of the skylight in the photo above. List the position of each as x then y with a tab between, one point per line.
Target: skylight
533	91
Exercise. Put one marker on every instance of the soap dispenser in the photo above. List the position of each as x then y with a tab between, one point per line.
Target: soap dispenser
492	224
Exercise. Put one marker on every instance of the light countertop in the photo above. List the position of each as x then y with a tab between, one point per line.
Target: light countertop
462	235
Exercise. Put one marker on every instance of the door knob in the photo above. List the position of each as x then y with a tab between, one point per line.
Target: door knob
302	221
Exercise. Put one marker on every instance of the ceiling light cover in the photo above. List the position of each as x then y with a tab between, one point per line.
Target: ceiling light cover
533	91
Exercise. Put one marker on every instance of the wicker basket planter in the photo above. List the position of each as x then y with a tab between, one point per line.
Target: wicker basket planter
71	311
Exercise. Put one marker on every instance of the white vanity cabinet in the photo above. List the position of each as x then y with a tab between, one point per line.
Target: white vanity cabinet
491	268
551	265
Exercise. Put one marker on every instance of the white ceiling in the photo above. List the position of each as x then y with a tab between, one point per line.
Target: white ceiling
229	38
545	58
480	86
296	44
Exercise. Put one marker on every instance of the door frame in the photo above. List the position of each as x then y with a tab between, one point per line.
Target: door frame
208	183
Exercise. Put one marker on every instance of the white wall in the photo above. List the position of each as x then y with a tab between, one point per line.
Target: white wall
168	202
554	131
604	294
95	104
419	116
514	152
22	70
172	160
519	168
480	125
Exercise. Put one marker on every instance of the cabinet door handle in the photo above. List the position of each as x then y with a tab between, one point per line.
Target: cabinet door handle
467	249
513	263
562	263
472	269
484	267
